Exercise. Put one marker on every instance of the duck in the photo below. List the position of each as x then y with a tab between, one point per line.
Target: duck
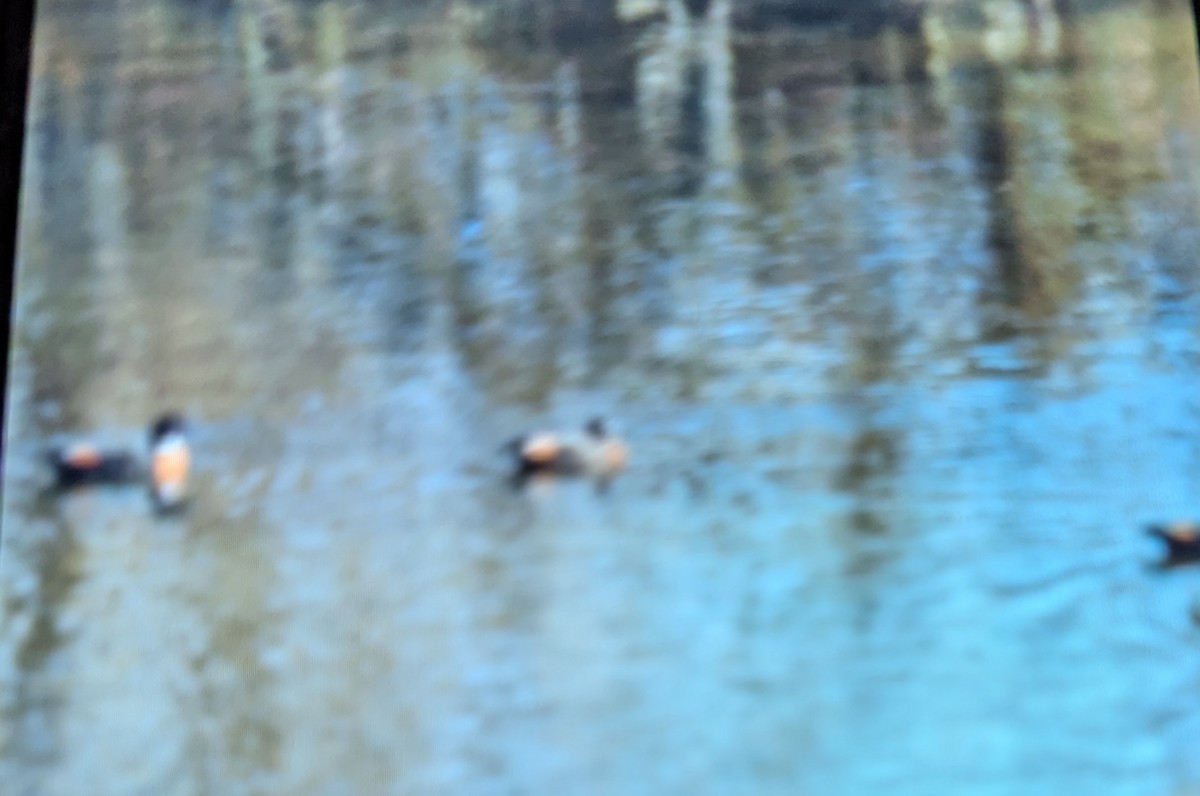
1182	539
595	453
170	463
85	464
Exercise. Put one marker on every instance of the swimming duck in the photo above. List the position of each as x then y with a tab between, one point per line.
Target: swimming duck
1183	542
83	463
170	462
595	453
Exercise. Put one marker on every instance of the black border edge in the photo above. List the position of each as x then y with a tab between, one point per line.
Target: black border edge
1196	23
16	48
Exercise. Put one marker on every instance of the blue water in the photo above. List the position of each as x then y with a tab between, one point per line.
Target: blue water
904	368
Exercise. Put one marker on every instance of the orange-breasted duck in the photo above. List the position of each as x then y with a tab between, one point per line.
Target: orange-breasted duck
170	463
595	453
1182	540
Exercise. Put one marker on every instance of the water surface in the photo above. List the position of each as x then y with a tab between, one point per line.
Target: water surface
905	358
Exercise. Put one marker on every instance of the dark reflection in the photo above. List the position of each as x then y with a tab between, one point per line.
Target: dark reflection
234	665
452	111
62	150
872	457
1030	231
870	475
33	705
1017	283
46	139
928	120
291	120
65	354
689	143
889	48
608	337
406	301
279	233
57	573
139	148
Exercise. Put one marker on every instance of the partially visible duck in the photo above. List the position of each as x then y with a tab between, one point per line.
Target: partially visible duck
595	453
83	463
1183	542
170	463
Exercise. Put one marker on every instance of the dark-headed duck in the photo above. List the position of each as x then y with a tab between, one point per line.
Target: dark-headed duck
594	453
83	464
1182	540
170	463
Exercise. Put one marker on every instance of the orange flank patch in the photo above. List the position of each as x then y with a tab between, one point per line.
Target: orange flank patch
84	457
540	449
170	467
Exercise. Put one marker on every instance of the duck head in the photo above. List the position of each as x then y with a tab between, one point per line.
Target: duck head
166	425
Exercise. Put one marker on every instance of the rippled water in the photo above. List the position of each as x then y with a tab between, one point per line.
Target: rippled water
904	359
